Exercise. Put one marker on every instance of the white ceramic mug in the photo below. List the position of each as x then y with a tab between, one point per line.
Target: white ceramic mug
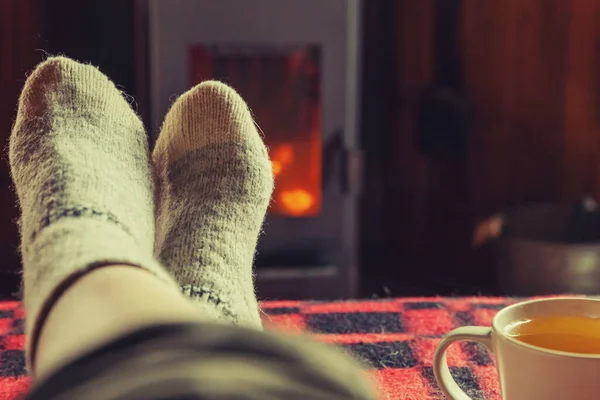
529	372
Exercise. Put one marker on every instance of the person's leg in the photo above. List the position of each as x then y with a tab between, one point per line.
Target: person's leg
80	164
78	159
215	181
203	360
103	305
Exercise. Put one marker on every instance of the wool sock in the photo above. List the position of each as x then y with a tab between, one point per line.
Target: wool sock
80	165
215	181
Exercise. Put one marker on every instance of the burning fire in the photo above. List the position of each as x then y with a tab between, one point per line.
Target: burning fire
283	88
297	201
277	167
282	157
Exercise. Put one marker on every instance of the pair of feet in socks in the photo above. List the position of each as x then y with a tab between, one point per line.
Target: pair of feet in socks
88	187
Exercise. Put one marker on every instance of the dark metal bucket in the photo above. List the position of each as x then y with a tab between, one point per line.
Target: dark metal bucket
549	249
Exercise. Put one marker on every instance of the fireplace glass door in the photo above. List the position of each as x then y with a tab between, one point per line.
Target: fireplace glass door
281	85
296	64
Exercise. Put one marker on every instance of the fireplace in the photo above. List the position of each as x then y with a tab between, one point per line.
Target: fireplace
282	87
296	64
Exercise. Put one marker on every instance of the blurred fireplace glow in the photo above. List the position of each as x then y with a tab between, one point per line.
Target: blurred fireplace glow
281	157
282	88
296	201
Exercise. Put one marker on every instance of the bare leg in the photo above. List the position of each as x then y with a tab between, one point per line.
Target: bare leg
103	305
79	160
207	361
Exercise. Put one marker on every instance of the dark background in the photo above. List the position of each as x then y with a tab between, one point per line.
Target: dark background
531	71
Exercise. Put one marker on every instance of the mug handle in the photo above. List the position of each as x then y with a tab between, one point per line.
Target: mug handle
441	371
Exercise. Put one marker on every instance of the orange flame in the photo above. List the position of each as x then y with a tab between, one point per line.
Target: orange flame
282	156
297	201
277	167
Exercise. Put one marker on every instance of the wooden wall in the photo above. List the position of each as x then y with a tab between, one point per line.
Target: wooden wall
532	70
20	21
28	30
532	73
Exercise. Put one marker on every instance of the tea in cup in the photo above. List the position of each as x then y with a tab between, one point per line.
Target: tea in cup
545	349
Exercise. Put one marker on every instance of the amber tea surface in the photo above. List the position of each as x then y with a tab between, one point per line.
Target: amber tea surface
574	334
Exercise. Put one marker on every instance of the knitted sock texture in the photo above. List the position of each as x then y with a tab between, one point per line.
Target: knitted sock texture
80	165
215	181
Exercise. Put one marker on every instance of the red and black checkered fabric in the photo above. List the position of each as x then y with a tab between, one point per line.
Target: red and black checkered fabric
397	337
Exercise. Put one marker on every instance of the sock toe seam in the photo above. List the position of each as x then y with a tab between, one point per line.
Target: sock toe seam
77	212
210	295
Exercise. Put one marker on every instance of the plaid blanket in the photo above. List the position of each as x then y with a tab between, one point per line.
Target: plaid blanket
397	337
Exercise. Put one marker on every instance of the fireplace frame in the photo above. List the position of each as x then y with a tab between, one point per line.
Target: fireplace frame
164	32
